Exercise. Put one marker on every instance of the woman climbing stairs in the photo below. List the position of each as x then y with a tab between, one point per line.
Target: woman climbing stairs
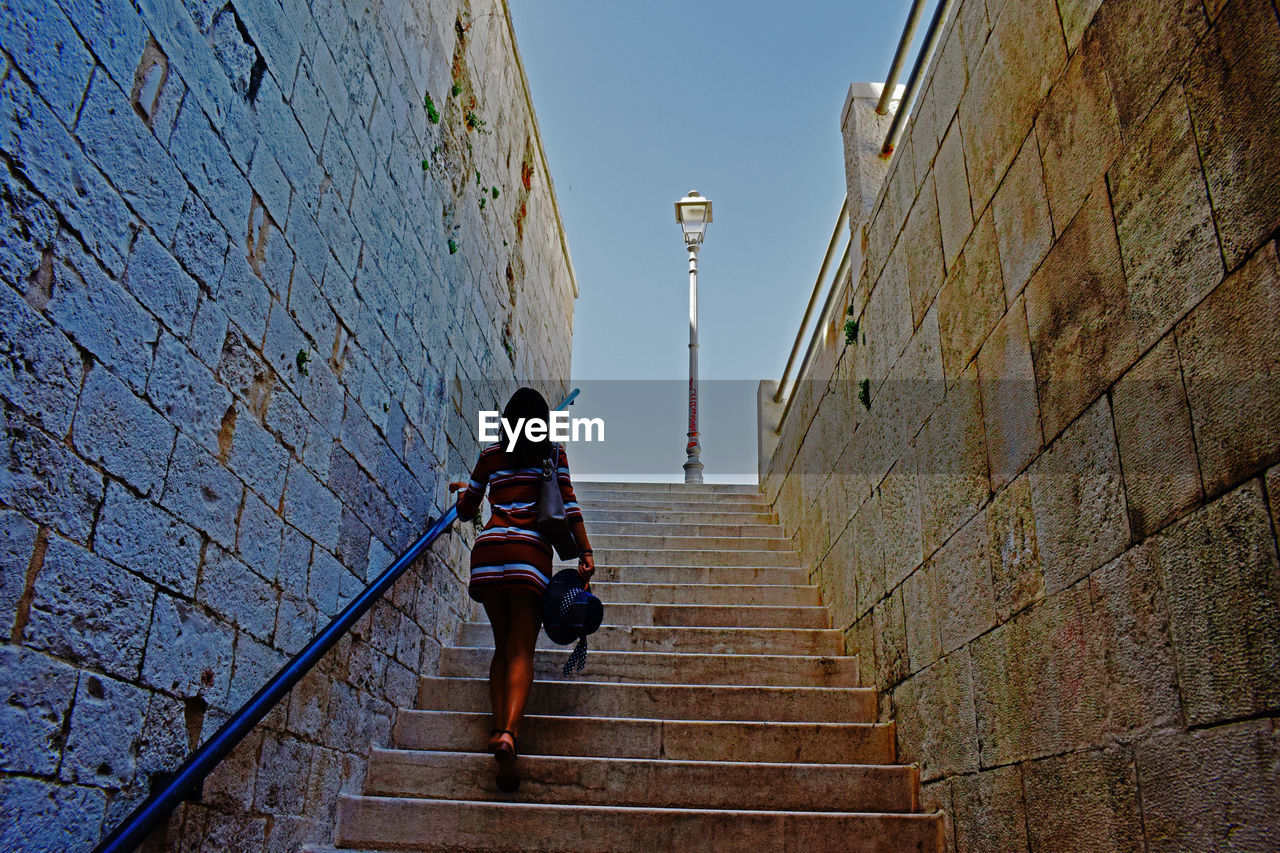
717	710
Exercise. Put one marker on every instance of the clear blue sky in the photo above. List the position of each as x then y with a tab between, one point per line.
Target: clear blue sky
640	102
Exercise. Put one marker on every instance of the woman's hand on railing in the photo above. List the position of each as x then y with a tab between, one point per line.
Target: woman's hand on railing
457	486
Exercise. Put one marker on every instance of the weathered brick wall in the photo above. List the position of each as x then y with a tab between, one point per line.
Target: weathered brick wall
1052	536
249	279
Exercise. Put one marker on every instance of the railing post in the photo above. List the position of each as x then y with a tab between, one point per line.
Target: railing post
863	130
768	422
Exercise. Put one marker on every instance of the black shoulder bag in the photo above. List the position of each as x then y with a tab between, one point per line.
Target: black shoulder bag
552	522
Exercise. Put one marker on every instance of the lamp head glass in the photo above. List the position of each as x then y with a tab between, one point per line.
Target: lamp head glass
693	212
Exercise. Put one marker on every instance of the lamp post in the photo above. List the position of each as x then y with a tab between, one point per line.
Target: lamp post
693	212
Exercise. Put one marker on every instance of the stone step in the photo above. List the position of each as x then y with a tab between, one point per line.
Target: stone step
659	638
705	593
671	667
718	575
465	825
658	540
626	615
648	782
627	512
718	557
667	488
707	496
650	528
720	605
720	596
585	698
673	740
716	616
620	500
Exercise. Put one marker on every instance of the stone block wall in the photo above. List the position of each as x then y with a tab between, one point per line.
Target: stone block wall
258	257
1040	491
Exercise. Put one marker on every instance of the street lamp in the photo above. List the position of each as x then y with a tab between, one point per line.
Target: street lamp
693	212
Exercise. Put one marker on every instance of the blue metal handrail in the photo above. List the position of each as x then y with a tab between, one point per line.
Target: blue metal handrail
156	808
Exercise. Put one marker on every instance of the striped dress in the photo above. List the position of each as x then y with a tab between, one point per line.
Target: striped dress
509	552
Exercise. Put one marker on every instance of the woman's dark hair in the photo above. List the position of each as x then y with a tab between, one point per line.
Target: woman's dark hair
528	404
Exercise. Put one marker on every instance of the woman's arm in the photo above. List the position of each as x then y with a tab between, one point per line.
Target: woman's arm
470	497
572	512
573	515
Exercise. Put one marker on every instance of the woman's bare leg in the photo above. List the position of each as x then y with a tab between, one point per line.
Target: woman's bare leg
496	607
515	616
524	608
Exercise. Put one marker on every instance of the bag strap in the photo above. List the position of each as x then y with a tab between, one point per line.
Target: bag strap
549	466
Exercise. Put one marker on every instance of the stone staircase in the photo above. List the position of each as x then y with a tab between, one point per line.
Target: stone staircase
717	710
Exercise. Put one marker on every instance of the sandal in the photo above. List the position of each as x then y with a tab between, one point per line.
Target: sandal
505	753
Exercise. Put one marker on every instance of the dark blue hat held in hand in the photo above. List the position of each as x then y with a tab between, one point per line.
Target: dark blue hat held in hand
570	612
